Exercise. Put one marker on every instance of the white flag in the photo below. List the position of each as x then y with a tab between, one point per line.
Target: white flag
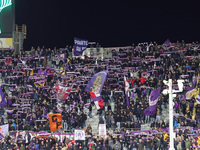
126	86
62	92
4	129
79	135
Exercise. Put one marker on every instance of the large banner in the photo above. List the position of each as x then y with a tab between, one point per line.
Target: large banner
102	129
94	87
44	134
79	135
79	46
153	99
59	136
6	42
96	83
55	122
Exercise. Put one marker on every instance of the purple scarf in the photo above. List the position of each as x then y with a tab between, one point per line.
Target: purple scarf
176	105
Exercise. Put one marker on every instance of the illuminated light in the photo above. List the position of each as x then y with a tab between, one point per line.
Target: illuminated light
4	4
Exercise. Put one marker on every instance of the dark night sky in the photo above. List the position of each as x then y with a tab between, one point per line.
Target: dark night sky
111	23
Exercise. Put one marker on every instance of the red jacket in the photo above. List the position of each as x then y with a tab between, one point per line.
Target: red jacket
142	80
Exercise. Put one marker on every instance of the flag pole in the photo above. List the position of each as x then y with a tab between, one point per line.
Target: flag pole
171	127
17	125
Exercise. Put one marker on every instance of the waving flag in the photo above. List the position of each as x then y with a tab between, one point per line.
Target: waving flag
62	92
2	98
153	99
55	122
79	46
126	90
97	100
4	130
95	86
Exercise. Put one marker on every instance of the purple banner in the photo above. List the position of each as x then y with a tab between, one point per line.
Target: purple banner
96	83
151	110
79	46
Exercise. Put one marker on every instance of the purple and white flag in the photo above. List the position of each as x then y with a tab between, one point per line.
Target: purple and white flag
79	46
2	98
96	83
153	99
94	87
126	90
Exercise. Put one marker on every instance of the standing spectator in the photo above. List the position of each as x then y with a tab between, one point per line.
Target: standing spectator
140	145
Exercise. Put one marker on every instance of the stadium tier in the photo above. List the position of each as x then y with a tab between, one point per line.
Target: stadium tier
103	99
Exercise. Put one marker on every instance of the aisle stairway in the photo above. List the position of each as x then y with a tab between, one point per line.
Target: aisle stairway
94	121
165	114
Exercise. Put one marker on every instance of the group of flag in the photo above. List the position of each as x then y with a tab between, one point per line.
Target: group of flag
95	86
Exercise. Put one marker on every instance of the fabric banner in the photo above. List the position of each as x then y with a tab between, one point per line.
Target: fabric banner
153	99
79	135
79	46
59	136
2	98
4	129
55	122
126	90
62	92
97	100
102	129
95	86
96	83
189	94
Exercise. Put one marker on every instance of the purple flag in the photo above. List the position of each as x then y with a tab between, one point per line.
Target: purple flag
153	99
96	83
40	72
2	98
79	46
132	95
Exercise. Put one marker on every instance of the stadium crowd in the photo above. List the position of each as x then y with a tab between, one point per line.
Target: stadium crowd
28	81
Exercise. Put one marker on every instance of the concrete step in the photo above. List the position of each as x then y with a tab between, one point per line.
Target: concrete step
94	121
